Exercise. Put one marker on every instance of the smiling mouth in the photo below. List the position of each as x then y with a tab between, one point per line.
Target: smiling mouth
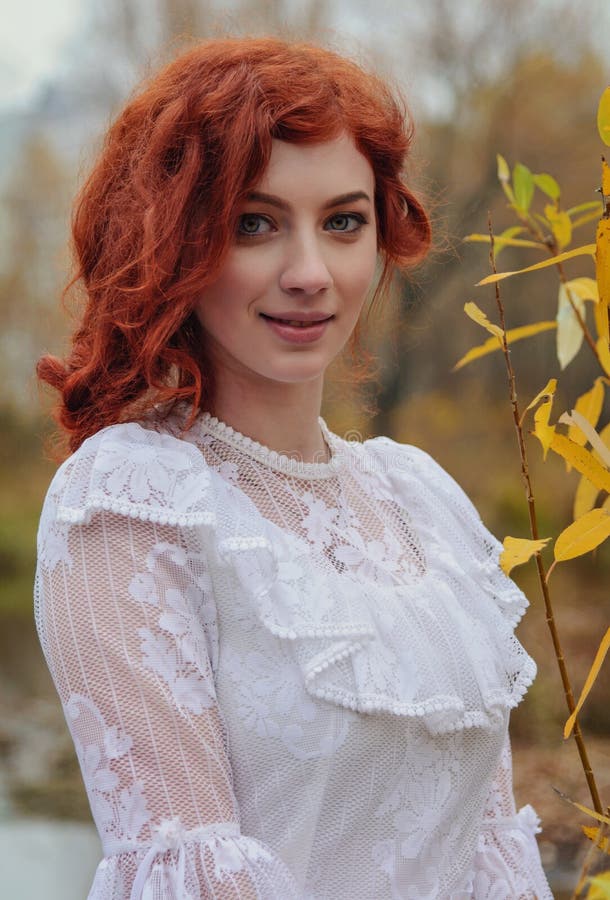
297	323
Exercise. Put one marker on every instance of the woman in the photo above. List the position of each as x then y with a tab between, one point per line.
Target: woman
286	660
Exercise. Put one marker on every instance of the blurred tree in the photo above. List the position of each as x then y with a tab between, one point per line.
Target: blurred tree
531	112
33	264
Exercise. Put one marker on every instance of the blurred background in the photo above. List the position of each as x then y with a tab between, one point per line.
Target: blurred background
522	78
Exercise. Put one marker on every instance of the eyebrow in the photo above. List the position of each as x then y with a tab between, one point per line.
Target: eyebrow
272	200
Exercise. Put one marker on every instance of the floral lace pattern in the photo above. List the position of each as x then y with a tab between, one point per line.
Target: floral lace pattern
119	813
272	702
283	682
175	648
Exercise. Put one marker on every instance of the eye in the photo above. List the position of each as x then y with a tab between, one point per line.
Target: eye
253	224
346	222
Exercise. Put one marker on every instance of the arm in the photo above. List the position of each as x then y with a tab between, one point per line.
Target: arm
507	863
128	628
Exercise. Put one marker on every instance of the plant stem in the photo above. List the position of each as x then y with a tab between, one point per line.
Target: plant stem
531	507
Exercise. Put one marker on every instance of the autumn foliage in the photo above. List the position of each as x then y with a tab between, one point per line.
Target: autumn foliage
576	435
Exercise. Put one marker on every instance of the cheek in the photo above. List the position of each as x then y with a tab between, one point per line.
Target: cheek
361	273
228	297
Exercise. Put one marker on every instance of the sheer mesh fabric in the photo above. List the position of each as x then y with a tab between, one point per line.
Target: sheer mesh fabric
273	675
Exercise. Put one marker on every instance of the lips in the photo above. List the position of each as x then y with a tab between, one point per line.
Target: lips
306	328
302	320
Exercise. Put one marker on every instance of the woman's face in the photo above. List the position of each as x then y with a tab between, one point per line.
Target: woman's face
299	270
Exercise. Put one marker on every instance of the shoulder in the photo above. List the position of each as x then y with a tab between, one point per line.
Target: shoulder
134	469
408	460
410	473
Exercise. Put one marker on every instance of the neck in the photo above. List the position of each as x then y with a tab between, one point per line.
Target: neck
283	418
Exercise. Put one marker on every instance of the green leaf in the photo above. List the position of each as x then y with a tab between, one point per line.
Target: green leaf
548	185
523	187
603	117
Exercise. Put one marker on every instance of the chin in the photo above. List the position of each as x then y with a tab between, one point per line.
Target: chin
295	375
297	371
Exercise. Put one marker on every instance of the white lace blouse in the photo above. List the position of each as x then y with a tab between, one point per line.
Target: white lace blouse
284	680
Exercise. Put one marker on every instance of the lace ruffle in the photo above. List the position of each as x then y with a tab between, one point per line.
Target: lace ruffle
437	646
136	472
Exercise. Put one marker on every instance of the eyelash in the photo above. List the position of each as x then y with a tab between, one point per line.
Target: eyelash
358	218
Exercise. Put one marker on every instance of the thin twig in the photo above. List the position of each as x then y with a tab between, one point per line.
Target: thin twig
531	507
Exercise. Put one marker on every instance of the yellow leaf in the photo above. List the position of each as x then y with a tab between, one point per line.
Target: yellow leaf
601	344
561	225
603	117
586	288
591	677
591	206
599	887
588	405
585	497
582	460
569	331
542	430
504	177
585	250
546	393
602	268
599	817
605	178
603	351
583	535
604	435
518	551
512	335
577	421
588	217
594	835
477	315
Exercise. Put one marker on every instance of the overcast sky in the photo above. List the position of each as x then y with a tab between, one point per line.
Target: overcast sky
32	33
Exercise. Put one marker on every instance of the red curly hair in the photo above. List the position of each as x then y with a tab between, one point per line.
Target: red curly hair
154	221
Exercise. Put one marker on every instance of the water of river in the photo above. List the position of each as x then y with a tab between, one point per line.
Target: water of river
46	860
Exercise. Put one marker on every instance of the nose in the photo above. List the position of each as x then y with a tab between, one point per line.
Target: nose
305	270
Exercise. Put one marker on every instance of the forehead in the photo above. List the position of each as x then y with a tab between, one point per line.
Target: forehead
330	168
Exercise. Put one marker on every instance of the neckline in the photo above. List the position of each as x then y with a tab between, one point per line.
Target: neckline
279	462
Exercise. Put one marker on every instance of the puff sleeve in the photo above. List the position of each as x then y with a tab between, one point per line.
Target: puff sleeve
127	622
